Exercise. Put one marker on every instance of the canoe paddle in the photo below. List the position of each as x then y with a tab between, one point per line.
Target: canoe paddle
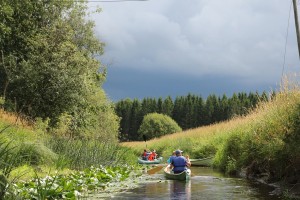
155	169
145	139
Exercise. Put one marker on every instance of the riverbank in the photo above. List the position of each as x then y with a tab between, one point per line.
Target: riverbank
265	142
286	188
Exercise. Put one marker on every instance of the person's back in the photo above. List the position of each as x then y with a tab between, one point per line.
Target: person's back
144	155
179	164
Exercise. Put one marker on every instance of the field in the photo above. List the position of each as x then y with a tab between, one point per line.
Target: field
265	141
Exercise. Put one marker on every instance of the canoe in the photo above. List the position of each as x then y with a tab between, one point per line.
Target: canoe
185	175
155	161
202	161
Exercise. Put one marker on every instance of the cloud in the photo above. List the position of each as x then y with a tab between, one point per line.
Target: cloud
238	38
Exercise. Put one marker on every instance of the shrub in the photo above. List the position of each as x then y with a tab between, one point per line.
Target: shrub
156	125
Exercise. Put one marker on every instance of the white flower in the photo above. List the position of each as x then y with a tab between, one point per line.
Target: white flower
54	186
32	190
76	193
94	180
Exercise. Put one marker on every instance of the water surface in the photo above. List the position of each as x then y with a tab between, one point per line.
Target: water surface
205	183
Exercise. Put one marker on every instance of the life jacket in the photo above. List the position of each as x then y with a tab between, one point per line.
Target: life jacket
151	157
179	164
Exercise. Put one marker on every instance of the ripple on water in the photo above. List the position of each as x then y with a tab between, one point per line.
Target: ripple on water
205	183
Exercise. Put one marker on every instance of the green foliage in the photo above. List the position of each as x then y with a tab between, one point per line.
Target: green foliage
35	154
189	111
203	151
80	154
95	119
72	186
12	156
156	125
228	154
8	157
49	68
270	140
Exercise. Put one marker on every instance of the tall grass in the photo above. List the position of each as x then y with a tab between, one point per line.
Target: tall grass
266	140
198	142
25	148
81	154
11	157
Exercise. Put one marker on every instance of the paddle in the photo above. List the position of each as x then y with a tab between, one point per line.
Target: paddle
155	169
145	139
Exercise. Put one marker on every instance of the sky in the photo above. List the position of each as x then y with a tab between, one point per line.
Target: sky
160	48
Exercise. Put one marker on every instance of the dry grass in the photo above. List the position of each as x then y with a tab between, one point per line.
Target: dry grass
267	122
190	139
11	118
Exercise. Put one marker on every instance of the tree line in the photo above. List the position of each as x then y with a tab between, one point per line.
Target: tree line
188	111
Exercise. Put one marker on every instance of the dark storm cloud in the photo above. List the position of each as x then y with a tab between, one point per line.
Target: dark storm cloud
226	45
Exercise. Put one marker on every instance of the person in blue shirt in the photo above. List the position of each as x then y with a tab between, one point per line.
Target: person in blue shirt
179	163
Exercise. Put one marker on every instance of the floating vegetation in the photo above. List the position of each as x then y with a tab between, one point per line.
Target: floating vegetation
72	186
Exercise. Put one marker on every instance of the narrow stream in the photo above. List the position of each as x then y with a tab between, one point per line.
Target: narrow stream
205	183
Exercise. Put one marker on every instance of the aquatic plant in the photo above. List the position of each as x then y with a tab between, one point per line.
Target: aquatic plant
71	186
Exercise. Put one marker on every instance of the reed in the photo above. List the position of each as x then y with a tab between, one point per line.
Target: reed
81	154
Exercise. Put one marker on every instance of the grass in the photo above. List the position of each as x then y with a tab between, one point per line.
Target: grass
192	142
268	137
27	151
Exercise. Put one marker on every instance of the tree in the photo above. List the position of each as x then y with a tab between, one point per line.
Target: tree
136	119
178	111
200	114
123	109
156	125
224	108
48	59
167	106
48	63
159	105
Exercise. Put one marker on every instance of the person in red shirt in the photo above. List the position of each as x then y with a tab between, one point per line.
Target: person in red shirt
144	155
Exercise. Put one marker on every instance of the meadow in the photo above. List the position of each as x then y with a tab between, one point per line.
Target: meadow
263	142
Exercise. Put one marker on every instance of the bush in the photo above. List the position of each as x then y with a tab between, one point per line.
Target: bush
156	125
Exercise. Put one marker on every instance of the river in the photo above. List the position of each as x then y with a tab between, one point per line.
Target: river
205	183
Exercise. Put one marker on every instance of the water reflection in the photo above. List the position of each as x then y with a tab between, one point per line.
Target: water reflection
180	190
205	183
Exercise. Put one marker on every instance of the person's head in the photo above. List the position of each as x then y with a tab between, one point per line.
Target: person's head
178	152
173	153
145	150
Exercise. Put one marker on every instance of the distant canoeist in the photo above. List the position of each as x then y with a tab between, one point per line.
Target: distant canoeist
145	154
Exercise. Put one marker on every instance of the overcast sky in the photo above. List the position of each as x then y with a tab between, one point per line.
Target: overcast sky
157	48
